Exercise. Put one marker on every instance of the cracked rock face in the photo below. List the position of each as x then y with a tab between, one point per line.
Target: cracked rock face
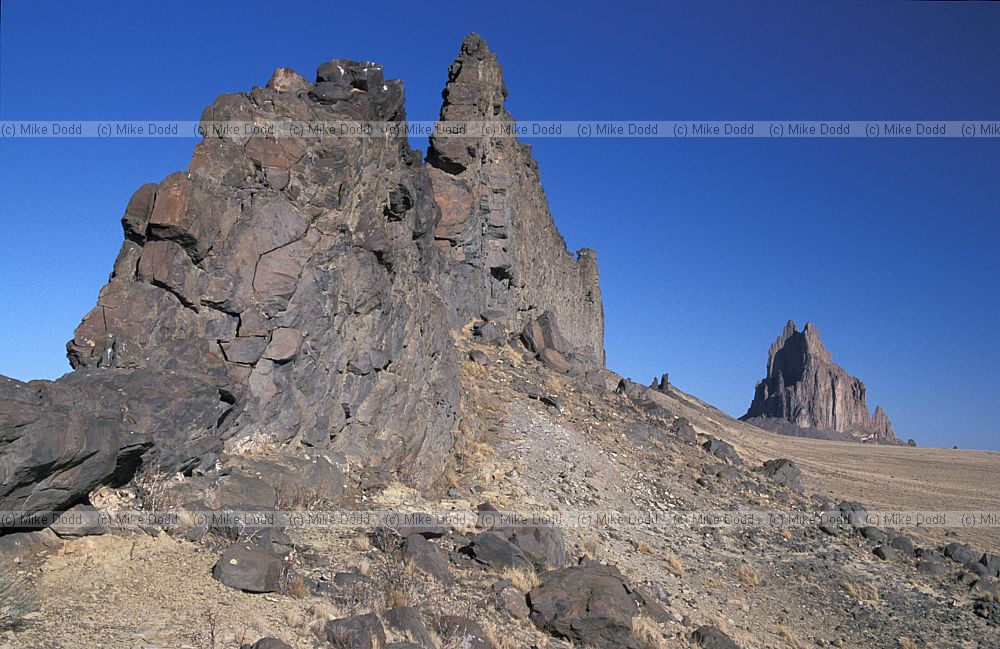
496	233
295	264
805	393
303	290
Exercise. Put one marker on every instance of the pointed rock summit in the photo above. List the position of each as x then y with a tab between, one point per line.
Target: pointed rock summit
301	295
806	394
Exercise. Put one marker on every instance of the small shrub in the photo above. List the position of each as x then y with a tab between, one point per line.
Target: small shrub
790	638
861	591
674	566
152	486
647	634
748	576
523	578
16	600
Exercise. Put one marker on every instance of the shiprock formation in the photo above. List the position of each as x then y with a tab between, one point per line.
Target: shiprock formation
322	329
806	394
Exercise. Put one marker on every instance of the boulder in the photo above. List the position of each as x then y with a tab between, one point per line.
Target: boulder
709	637
785	473
491	549
684	431
722	450
874	534
589	605
904	544
407	622
543	545
249	568
992	564
510	600
427	558
269	643
959	552
79	520
358	632
463	632
885	552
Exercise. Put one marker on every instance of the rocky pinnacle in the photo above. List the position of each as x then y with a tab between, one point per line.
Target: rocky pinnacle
303	293
806	393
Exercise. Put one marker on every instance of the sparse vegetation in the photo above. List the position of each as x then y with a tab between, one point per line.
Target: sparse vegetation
643	548
674	565
524	578
748	575
297	497
647	633
16	600
861	591
152	486
790	638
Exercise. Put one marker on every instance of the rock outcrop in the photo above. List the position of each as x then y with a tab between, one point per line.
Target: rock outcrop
504	251
304	291
806	394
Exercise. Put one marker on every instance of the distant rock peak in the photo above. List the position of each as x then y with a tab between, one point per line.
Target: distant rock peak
806	393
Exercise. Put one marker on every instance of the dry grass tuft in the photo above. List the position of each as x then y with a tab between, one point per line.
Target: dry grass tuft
861	591
590	547
674	566
642	547
16	600
297	587
748	576
361	543
152	486
906	643
396	598
524	578
790	638
647	633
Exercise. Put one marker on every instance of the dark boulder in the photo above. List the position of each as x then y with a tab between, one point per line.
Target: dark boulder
269	643
359	632
80	520
885	552
408	623
463	632
684	431
785	473
959	552
992	564
493	550
589	605
428	558
722	450
249	568
543	545
904	544
709	637
873	534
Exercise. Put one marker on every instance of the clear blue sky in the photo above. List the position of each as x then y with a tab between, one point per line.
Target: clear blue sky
706	247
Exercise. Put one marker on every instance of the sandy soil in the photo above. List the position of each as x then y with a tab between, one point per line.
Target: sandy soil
881	477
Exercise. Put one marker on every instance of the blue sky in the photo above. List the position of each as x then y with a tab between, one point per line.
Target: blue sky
706	247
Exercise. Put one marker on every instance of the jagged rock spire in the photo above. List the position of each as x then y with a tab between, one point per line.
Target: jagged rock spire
504	250
806	389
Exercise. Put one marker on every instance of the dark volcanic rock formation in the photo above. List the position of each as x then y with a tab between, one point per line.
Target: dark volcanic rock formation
806	394
495	228
290	291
